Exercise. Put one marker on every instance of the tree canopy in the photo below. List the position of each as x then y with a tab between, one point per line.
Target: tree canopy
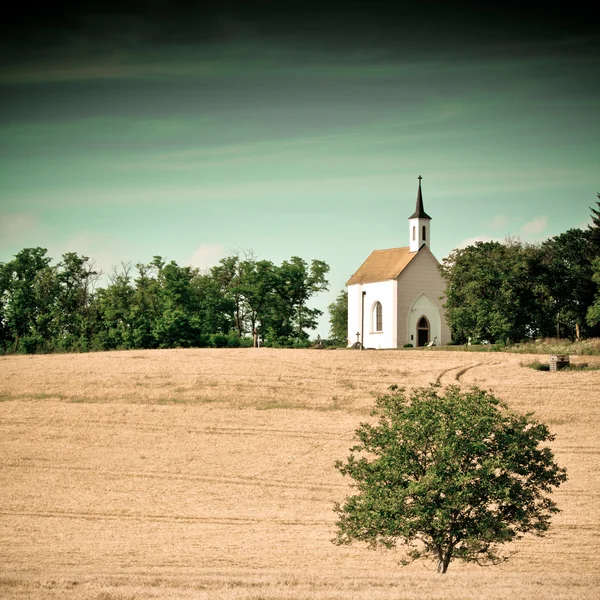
45	307
488	291
450	475
506	292
338	318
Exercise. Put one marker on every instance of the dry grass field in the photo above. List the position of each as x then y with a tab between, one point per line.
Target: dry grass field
209	474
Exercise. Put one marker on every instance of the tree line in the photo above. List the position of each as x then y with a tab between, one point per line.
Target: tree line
513	291
47	307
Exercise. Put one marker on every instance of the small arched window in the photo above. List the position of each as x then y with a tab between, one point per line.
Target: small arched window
424	234
378	317
414	232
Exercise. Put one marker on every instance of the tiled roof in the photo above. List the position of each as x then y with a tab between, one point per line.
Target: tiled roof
382	265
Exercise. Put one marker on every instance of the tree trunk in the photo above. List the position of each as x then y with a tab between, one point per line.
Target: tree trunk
443	561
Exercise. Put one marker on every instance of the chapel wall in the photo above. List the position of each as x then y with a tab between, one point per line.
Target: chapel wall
383	292
420	276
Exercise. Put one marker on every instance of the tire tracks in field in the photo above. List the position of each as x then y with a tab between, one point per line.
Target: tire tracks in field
460	371
160	518
168	476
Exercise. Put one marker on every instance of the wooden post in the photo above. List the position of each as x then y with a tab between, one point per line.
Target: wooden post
362	322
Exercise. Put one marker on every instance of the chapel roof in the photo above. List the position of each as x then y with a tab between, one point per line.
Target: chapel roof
382	265
419	210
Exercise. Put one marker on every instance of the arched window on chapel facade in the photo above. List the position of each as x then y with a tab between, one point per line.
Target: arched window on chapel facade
377	317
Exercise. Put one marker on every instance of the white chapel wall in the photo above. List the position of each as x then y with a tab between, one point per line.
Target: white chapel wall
424	307
421	276
383	292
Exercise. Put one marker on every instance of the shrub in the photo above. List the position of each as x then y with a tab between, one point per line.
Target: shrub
538	366
218	340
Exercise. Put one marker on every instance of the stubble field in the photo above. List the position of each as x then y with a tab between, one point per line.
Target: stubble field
209	474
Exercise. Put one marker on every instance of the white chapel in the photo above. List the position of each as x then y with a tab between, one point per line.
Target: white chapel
395	297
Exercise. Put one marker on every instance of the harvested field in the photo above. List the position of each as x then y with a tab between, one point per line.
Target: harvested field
209	474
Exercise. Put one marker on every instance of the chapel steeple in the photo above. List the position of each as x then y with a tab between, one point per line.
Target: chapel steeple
419	224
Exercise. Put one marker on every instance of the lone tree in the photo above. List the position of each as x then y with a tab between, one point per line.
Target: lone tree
451	475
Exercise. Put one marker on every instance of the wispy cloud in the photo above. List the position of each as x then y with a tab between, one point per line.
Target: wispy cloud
105	251
207	255
498	222
473	240
535	227
20	229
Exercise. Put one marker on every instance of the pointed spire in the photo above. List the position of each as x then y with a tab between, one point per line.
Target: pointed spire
419	211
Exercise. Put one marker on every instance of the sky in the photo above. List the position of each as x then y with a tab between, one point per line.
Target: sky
129	130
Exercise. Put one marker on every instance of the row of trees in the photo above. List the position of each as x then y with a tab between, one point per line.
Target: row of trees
513	291
45	307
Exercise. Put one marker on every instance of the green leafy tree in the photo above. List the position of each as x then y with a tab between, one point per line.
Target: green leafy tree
5	333
258	288
45	308
566	273
76	278
147	304
338	318
113	305
491	292
594	229
216	308
593	313
179	323
230	275
452	476
295	284
28	295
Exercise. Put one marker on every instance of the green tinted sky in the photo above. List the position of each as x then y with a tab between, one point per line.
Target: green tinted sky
297	131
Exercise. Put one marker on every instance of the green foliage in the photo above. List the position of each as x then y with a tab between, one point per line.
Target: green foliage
338	319
566	277
593	312
219	340
489	295
513	291
46	308
594	230
452	475
536	365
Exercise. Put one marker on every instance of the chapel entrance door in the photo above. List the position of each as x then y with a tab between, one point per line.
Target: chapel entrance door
422	332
